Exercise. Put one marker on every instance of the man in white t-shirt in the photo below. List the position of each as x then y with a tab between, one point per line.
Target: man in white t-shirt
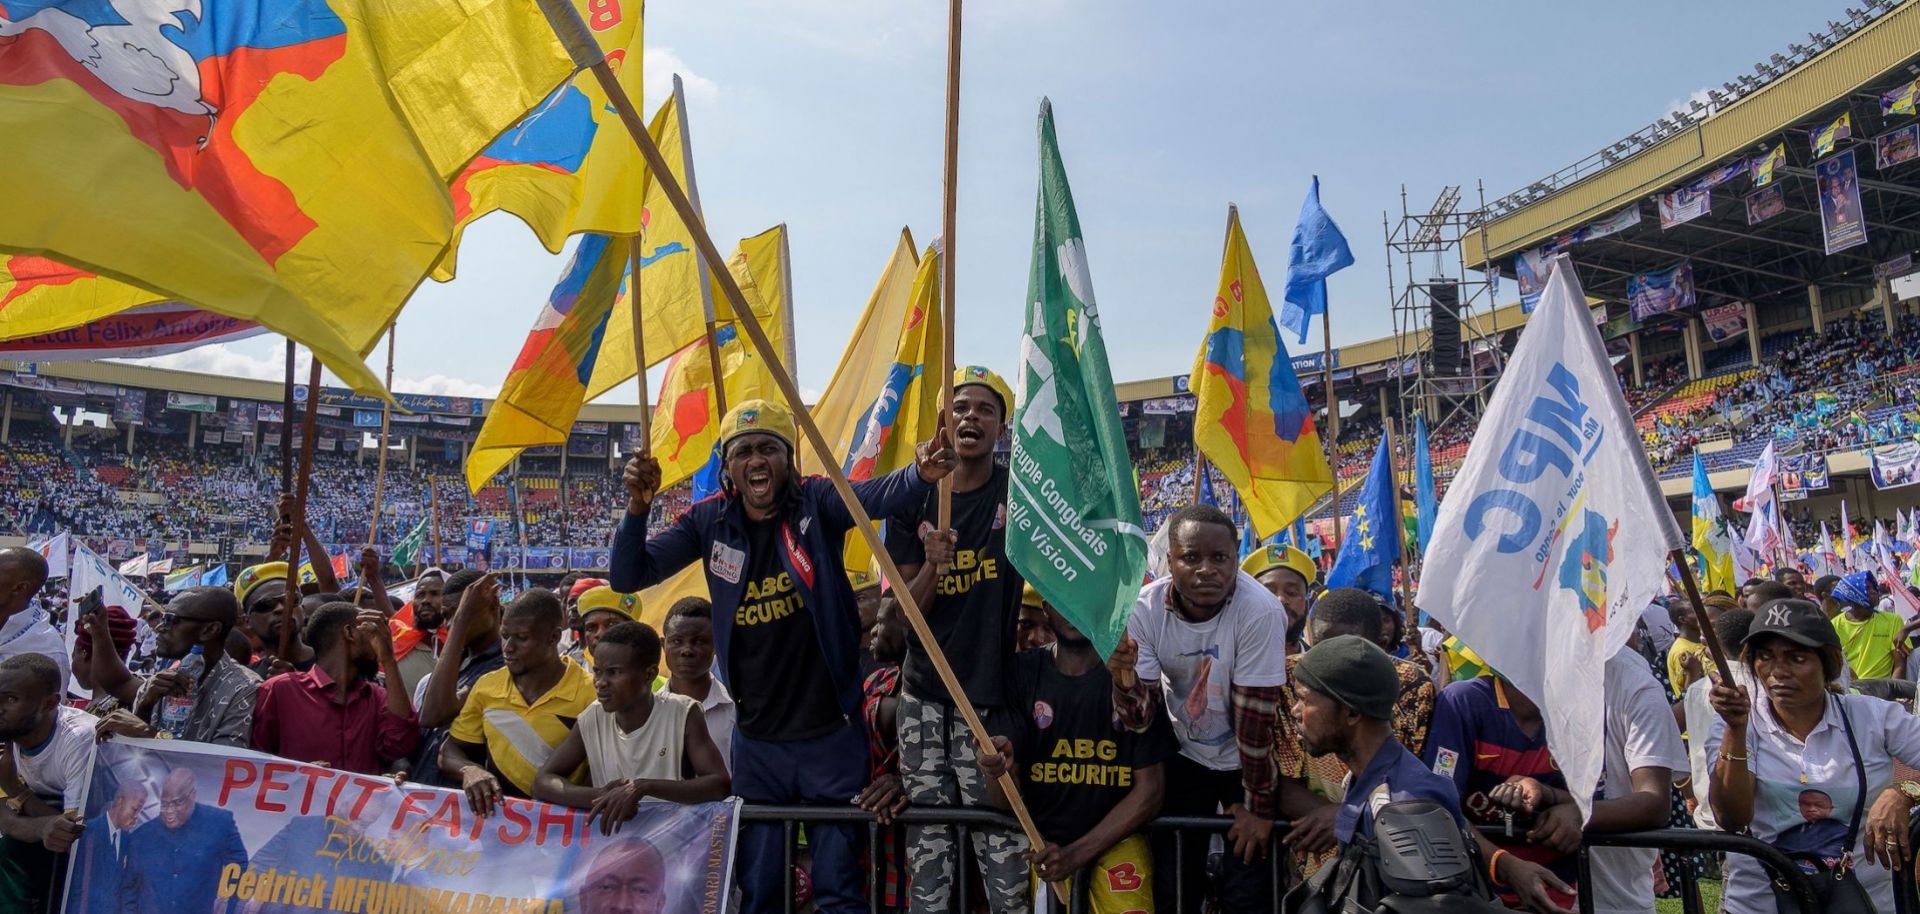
1209	643
50	747
1644	757
24	627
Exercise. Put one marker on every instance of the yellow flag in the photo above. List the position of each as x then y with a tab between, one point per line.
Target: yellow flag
292	169
568	166
760	266
1251	420
877	407
674	286
691	581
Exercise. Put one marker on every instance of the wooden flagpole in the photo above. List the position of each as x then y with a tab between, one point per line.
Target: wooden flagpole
949	217
1400	542
636	254
1679	557
433	520
586	54
705	261
380	467
300	507
1333	419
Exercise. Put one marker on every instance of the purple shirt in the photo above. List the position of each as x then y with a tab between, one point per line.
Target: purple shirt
298	716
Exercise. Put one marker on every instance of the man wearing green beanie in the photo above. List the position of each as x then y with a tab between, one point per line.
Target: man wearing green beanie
1346	687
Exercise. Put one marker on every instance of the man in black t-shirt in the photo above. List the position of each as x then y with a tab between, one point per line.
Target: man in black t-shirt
970	596
1090	782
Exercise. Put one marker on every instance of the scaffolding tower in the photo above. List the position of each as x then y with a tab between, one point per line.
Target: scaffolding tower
1447	351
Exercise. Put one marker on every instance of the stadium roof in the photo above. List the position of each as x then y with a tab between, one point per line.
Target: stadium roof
1843	72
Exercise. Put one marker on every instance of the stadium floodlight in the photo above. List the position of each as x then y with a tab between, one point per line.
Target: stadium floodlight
1780	60
1800	50
1696	104
1717	97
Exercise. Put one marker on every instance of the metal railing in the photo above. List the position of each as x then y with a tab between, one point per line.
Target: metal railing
1683	841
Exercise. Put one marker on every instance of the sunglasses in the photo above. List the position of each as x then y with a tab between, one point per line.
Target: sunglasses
170	619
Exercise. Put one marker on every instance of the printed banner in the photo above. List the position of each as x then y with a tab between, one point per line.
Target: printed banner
545	558
1895	465
220	828
590	559
210	436
1896	146
1764	167
193	403
1842	219
1725	173
1899	101
366	418
1600	228
590	428
1167	406
1823	139
1660	291
1530	271
130	405
1766	203
272	412
1898	266
1684	204
1803	472
456	421
1725	322
342	398
479	534
136	333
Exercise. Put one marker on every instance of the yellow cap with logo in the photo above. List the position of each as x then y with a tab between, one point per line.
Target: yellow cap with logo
1031	597
985	377
1281	555
765	416
255	577
606	599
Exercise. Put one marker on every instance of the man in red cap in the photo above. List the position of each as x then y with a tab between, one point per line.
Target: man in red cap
107	665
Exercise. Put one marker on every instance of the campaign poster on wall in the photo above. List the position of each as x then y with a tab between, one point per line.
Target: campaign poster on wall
1842	219
1660	291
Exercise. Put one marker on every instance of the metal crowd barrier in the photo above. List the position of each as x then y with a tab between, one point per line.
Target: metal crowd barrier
1683	841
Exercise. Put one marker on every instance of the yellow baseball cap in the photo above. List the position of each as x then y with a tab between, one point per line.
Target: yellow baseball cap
255	576
1281	555
861	580
757	416
1031	597
985	377
606	599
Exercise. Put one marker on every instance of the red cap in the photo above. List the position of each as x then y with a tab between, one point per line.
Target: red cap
119	625
583	585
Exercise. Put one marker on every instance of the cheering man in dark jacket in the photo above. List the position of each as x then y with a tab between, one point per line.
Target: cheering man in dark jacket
772	546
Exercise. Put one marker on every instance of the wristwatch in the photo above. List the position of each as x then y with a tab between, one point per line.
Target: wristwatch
1910	790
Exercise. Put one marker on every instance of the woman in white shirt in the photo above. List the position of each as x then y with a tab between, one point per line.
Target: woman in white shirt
1788	764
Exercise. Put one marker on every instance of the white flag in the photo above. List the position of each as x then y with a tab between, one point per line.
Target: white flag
135	567
57	551
1764	523
1554	536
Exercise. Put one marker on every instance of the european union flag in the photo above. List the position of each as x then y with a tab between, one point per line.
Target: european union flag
1206	496
1371	546
1427	503
1318	251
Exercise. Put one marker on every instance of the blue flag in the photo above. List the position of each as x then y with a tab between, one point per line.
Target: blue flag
1427	504
1371	547
706	480
1206	485
215	577
1318	251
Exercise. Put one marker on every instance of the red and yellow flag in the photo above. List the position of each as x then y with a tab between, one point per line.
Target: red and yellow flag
285	163
1251	420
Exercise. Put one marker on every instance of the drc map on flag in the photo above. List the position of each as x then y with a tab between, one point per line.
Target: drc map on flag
205	828
1554	535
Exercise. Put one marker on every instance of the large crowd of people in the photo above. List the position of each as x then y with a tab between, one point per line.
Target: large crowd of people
1308	720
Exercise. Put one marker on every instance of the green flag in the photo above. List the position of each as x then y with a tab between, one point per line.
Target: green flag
1074	503
408	549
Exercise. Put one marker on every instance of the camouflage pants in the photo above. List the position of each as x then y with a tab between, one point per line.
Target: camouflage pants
937	755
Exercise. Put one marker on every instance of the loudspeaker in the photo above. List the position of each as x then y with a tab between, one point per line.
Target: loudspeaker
1443	319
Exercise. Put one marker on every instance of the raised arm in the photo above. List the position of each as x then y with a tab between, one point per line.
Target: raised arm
442	700
639	561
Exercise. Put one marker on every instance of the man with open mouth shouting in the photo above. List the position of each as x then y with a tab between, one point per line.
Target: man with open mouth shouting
786	629
972	601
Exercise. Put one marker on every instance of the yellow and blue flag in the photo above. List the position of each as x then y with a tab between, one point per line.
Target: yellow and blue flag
288	162
1825	138
1425	496
1712	538
1251	420
568	166
1764	167
547	383
862	375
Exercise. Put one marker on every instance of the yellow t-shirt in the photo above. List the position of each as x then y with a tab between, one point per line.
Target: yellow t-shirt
520	737
1868	645
1676	660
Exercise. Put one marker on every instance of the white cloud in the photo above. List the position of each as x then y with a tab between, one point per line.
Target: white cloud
1686	104
661	64
225	360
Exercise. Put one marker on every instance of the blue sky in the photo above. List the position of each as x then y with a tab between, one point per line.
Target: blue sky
827	115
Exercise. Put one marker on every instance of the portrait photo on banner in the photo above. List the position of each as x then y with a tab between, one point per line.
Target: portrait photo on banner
1842	219
1901	144
1766	203
226	828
